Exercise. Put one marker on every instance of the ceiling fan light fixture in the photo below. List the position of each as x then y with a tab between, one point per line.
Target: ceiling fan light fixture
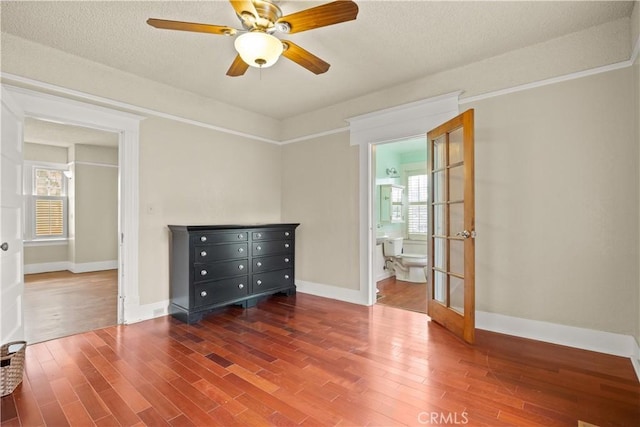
258	49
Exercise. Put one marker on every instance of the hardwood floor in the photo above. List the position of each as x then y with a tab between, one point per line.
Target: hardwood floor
306	360
405	295
63	303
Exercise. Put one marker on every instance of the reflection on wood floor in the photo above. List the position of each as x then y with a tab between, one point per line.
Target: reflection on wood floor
309	361
404	295
63	303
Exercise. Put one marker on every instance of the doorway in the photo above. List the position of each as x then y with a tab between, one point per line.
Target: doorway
71	229
399	206
29	103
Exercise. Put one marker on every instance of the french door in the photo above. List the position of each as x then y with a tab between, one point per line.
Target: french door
451	269
11	273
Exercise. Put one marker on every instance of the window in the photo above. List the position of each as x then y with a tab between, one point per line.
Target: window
417	204
45	202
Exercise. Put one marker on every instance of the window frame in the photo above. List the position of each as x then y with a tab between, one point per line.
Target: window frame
409	173
30	198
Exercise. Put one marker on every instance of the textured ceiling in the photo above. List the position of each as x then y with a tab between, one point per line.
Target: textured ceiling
391	42
63	135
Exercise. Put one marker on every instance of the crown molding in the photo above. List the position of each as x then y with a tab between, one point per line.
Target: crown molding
59	90
547	82
63	91
577	75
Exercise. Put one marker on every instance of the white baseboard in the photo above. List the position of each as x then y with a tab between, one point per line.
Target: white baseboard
137	313
384	275
86	267
46	267
353	296
570	336
635	360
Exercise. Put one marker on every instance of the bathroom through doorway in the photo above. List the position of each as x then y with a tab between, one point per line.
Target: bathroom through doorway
399	207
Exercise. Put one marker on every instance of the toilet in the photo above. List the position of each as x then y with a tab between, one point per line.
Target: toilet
409	264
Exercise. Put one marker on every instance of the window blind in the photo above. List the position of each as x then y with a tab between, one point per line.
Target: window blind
49	217
417	207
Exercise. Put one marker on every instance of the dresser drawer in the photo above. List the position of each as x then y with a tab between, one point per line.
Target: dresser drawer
220	291
275	262
271	235
208	272
220	237
208	253
272	280
271	248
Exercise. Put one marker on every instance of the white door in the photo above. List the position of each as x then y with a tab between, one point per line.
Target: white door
11	270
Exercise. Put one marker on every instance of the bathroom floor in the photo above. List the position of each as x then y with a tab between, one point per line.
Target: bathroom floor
404	295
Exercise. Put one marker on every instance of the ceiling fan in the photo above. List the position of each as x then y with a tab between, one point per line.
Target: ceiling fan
256	44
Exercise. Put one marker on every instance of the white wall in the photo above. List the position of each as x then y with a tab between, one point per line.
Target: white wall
45	153
636	80
94	205
191	175
557	203
320	190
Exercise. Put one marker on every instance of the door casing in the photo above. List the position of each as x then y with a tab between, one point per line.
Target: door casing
59	109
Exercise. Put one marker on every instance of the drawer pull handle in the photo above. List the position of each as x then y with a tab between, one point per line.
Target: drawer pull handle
203	254
203	238
259	236
203	294
203	272
259	282
286	245
240	236
286	260
240	250
258	264
241	267
240	286
286	276
286	233
258	248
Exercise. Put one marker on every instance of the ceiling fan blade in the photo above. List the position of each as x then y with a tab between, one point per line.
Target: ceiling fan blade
241	6
238	67
321	16
191	26
304	58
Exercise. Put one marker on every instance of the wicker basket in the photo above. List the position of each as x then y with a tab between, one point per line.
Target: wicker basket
11	366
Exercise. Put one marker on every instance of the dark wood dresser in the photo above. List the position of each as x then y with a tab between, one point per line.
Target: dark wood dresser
216	265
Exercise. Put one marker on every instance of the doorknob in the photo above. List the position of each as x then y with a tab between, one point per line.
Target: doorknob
4	246
465	234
